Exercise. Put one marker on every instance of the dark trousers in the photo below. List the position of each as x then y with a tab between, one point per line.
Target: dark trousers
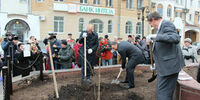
130	67
166	86
83	72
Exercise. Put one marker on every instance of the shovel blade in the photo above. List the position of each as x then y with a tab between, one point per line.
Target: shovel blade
116	81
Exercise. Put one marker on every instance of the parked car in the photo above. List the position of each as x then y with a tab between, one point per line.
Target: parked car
197	45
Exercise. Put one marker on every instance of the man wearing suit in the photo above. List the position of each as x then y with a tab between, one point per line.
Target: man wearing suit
135	57
167	55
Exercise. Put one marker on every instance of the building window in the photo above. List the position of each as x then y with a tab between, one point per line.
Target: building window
97	2
199	3
140	4
190	17
23	1
169	11
181	2
139	28
84	1
181	15
81	24
129	4
191	3
110	26
129	27
59	0
160	9
177	1
39	0
98	25
109	3
176	14
58	24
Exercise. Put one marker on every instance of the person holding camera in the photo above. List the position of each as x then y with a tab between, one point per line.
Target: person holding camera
189	52
91	47
9	47
65	55
106	53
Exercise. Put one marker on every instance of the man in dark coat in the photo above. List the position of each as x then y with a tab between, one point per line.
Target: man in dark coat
135	57
167	56
65	55
91	47
142	46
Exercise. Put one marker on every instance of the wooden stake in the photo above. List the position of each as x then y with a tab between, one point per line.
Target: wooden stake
53	72
85	64
99	85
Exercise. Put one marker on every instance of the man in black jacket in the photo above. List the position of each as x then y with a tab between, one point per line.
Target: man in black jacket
135	57
91	47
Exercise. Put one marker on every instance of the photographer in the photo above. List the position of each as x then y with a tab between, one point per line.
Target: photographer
9	47
55	46
65	55
106	53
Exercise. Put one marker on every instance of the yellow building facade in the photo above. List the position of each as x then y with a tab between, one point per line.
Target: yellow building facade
115	18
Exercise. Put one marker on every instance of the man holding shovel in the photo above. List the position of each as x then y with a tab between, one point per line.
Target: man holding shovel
91	47
135	57
167	56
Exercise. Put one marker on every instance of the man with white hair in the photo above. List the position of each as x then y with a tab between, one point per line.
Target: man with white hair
189	52
91	47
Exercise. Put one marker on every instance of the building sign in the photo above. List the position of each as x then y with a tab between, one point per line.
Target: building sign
74	8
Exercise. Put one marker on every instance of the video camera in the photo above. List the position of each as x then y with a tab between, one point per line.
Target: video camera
11	37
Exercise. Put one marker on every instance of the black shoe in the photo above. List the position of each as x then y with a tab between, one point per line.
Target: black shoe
124	82
129	87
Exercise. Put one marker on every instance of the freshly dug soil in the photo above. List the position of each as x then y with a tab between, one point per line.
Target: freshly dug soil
70	87
108	92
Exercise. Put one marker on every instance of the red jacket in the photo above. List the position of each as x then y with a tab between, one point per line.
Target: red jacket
107	54
76	48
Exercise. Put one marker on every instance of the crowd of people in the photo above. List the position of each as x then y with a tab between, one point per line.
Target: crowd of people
68	53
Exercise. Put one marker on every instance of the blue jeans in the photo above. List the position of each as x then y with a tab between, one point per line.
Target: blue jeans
104	62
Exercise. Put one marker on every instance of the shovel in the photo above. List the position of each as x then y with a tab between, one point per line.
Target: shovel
116	81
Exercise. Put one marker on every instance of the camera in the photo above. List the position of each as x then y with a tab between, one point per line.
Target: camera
11	37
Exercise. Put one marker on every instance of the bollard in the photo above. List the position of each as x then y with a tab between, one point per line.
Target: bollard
5	83
9	74
41	67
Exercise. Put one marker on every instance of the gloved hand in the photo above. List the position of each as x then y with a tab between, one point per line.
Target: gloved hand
84	35
90	51
121	69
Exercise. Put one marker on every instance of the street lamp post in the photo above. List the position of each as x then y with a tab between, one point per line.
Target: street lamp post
147	12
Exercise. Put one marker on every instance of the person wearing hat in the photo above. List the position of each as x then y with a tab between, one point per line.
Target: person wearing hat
189	52
71	41
65	55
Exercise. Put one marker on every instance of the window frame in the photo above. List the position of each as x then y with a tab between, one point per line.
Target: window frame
128	4
129	28
84	1
97	23
139	27
81	24
58	26
110	26
109	3
140	4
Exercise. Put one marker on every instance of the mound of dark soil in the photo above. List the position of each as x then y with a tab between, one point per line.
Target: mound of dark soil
89	92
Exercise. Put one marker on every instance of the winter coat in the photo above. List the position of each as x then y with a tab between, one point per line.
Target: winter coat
91	43
65	59
189	54
105	47
76	47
